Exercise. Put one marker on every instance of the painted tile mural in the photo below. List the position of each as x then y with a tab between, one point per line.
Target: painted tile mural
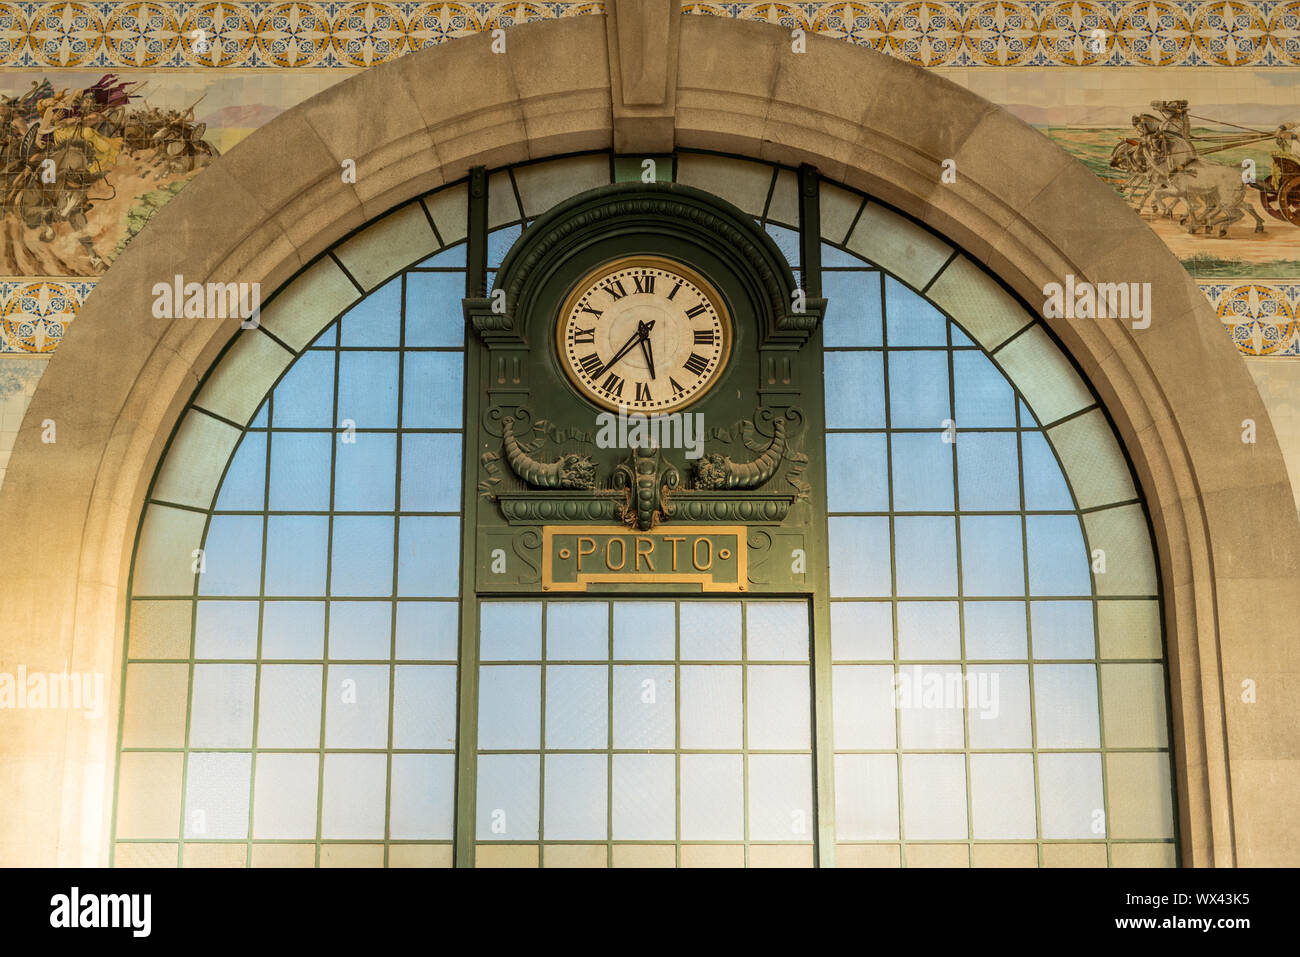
110	108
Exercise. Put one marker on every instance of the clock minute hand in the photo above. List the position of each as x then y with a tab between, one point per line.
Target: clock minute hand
642	330
648	351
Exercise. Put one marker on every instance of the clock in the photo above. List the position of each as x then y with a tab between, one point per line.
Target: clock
646	334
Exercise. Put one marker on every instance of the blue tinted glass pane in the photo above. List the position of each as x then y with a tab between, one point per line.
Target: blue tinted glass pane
855	397
305	396
853	309
1058	562
259	420
855	472
509	706
861	631
787	240
645	630
1045	487
925	556
296	547
368	389
984	397
244	486
433	309
432	391
859	554
959	338
452	256
995	629
834	256
577	630
423	797
360	629
510	631
376	320
987	472
364	469
922	472
992	556
300	471
427	630
232	556
429	558
918	390
363	556
424	707
225	629
928	630
1062	629
293	629
499	243
328	338
1065	706
508	791
431	472
910	319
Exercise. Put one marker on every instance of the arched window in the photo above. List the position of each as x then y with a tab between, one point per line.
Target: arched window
313	678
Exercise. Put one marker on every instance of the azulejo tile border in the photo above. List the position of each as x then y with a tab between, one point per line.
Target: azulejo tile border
1262	318
296	34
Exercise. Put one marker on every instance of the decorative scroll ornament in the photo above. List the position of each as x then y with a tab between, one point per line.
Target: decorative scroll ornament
646	479
716	472
571	471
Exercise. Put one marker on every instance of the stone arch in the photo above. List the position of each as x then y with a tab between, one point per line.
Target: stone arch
1177	391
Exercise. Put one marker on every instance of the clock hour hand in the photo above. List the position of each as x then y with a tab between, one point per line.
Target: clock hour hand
648	351
643	328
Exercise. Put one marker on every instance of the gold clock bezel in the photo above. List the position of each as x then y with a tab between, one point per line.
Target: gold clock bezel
631	262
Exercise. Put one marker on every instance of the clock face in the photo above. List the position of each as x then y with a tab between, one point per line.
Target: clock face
647	334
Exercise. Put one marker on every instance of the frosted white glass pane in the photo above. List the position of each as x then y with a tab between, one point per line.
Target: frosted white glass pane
859	557
645	630
300	471
931	702
427	568
710	630
862	704
928	630
431	472
284	803
577	706
711	706
360	629
777	699
577	630
368	390
221	706
925	555
507	797
1070	796
645	795
855	478
1065	706
780	797
216	795
776	631
225	629
510	631
998	701
363	479
713	797
918	390
922	472
576	800
855	395
995	629
356	706
1062	629
934	797
293	629
362	561
861	631
992	553
427	630
289	708
432	390
192	468
1002	796
866	797
353	802
423	797
232	556
424	707
296	549
644	706
509	707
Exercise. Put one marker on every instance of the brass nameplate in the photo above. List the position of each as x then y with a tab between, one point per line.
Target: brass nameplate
714	556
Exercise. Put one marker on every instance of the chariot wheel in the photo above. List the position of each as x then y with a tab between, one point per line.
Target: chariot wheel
1288	201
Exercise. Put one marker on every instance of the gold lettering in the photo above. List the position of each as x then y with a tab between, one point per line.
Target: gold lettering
622	554
585	551
647	552
695	554
676	541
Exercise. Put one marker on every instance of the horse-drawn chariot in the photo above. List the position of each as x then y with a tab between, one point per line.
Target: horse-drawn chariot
1280	193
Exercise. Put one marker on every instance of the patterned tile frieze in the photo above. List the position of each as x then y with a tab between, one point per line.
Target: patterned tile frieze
296	34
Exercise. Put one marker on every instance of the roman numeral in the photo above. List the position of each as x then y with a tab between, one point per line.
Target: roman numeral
588	336
696	363
696	311
613	385
591	363
644	283
704	337
615	284
642	392
676	386
595	312
675	288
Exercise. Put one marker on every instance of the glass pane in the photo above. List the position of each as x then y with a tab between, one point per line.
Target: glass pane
713	797
289	706
376	320
1002	796
855	478
776	631
988	472
998	703
360	629
296	547
928	630
992	556
1065	706
1045	487
427	630
576	799
780	797
923	473
507	789
710	630
433	309
431	472
423	797
711	706
787	240
859	553
362	559
911	320
644	630
934	797
1058	562
368	390
304	399
930	701
364	469
432	390
918	390
577	706
777	699
984	397
995	629
863	706
1062	629
300	471
577	630
861	631
284	805
232	556
855	397
426	567
1070	796
866	797
356	706
925	556
221	706
510	631
853	310
244	485
645	795
293	629
644	706
216	795
225	629
509	707
424	707
356	786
